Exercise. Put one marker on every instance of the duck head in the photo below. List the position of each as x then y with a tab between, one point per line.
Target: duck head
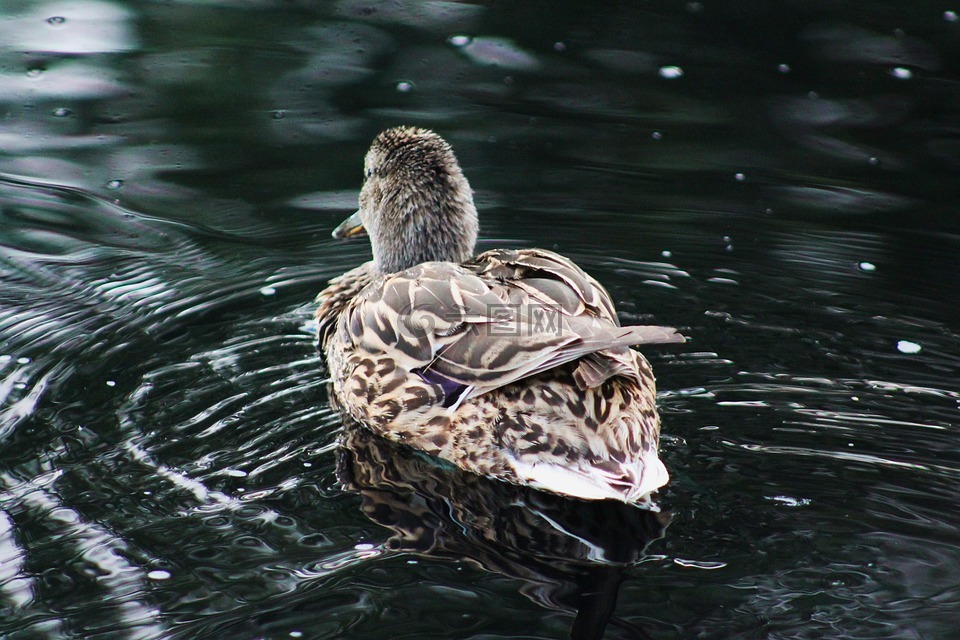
415	204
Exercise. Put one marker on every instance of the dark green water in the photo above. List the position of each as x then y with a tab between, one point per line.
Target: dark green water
778	179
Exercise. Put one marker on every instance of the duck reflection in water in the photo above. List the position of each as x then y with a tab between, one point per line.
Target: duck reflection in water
572	554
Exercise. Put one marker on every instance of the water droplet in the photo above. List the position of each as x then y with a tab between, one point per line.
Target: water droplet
111	383
950	16
868	267
906	346
56	20
159	574
460	41
874	160
404	87
559	47
113	185
279	114
656	135
901	73
34	73
666	253
61	112
739	177
670	72
268	291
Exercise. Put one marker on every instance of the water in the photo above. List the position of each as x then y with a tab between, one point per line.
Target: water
777	179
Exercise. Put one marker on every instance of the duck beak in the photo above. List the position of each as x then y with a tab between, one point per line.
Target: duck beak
352	227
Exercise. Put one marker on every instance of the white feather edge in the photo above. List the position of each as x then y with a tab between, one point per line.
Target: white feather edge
590	483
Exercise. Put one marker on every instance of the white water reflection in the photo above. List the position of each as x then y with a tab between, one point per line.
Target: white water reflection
77	27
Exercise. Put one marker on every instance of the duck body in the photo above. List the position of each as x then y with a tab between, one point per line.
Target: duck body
512	365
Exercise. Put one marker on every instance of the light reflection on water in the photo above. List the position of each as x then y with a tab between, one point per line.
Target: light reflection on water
169	466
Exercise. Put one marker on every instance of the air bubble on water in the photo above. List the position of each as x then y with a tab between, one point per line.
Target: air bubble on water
868	267
950	16
460	41
159	574
296	634
783	68
405	87
113	185
666	253
739	177
23	360
279	114
873	160
61	112
901	73
559	47
56	21
694	7
656	135
906	346
268	291
111	383
670	72
363	546
34	72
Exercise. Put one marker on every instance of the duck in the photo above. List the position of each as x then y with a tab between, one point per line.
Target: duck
510	364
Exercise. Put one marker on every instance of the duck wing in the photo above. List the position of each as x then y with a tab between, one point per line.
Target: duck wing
336	296
501	318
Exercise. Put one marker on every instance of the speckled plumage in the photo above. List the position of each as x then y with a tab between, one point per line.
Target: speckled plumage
511	364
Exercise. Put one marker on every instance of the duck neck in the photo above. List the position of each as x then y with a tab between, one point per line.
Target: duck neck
443	230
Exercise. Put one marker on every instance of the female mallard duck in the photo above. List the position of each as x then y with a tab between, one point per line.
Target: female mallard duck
511	364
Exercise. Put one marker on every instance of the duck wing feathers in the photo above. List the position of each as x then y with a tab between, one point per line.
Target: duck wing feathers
502	317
